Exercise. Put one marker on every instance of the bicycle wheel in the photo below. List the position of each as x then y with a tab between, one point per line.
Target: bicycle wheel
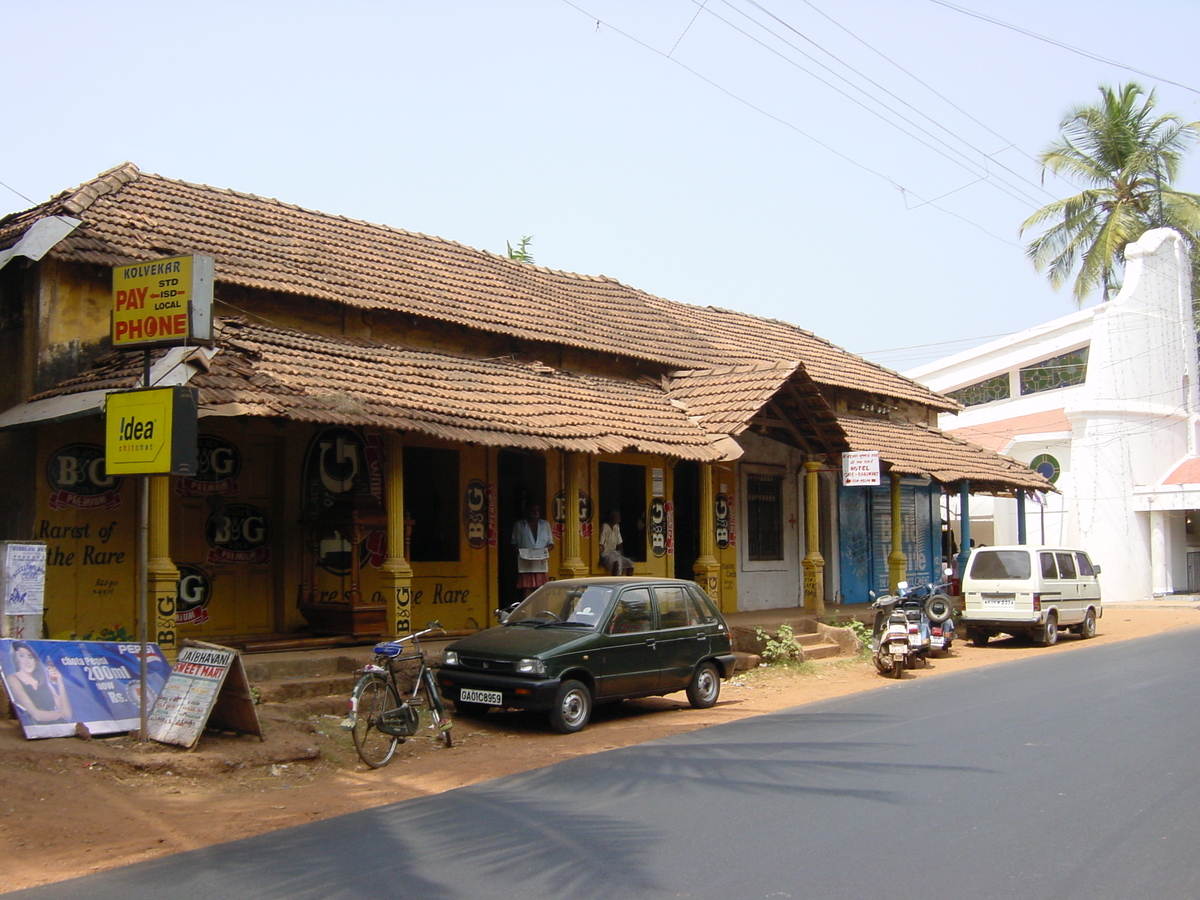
437	710
372	697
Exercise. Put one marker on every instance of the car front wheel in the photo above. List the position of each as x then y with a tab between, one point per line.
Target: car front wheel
705	686
572	707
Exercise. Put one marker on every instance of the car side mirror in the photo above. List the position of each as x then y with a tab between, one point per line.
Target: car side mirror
1095	570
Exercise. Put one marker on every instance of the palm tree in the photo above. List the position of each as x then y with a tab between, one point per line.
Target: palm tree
1126	158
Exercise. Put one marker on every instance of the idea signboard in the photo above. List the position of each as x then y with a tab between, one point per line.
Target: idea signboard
151	431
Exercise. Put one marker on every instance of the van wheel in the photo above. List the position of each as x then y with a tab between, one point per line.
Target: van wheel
1088	628
1049	632
978	638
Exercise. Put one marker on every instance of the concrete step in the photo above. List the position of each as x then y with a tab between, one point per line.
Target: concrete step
287	690
818	649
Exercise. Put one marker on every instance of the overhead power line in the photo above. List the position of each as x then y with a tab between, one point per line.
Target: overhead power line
784	122
1041	37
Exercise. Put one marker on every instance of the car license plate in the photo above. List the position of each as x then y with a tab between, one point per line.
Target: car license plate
470	695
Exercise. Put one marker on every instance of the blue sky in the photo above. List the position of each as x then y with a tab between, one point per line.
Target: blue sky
748	154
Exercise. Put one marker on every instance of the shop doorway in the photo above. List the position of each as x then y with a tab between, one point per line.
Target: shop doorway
521	480
686	500
623	488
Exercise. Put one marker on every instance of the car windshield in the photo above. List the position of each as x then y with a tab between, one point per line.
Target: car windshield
555	603
1001	565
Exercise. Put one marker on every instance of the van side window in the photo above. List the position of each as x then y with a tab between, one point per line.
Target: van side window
1085	565
1000	565
1049	570
1066	565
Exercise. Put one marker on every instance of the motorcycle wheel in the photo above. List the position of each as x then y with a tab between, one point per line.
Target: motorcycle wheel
898	667
880	667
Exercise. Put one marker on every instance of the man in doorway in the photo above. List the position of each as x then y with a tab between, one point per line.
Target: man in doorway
533	540
610	546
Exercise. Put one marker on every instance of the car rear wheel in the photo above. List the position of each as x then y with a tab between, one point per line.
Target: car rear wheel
1088	628
705	686
572	707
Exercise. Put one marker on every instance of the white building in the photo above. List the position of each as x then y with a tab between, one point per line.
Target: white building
1104	402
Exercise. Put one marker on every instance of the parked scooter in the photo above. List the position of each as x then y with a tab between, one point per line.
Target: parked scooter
930	615
890	648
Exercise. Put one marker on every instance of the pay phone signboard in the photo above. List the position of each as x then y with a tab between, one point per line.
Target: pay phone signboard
162	303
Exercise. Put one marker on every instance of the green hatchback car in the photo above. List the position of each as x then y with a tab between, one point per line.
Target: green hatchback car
571	644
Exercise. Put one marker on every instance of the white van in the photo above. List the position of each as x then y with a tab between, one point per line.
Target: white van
1030	590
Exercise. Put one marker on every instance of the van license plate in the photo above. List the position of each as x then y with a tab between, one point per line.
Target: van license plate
998	600
470	695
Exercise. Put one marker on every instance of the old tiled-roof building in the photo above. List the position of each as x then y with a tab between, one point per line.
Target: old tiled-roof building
378	407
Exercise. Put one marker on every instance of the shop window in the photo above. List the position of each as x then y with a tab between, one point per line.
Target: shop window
1057	372
764	516
997	388
431	503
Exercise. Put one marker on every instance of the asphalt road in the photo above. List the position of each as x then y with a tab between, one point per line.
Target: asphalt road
1068	775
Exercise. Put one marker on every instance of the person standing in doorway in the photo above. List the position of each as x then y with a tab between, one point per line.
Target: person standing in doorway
610	546
533	540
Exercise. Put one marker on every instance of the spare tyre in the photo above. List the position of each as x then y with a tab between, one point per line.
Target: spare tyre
938	608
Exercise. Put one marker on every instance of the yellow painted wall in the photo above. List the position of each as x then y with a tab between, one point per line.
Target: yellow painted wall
88	524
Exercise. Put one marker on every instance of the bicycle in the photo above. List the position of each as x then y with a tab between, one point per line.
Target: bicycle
380	718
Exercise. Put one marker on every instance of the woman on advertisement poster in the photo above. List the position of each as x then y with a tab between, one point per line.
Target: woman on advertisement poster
37	689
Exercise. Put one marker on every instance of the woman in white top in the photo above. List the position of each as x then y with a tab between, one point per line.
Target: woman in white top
534	541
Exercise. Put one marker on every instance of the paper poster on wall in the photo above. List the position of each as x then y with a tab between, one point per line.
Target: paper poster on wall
24	577
55	685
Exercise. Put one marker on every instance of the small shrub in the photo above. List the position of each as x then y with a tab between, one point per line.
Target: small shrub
781	649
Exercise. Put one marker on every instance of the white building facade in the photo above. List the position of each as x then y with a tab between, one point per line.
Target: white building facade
1105	403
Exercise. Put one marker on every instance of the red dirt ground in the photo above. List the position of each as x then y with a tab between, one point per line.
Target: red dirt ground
70	807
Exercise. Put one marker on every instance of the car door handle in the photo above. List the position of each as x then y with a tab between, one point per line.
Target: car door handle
650	642
702	636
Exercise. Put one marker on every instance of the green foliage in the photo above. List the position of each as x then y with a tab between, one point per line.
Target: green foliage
1125	157
521	253
781	649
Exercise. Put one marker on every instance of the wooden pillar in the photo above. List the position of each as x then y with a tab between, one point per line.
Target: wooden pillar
814	562
162	577
571	565
396	571
897	561
707	570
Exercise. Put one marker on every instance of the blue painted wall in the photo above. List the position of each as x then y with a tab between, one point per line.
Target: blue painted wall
865	537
